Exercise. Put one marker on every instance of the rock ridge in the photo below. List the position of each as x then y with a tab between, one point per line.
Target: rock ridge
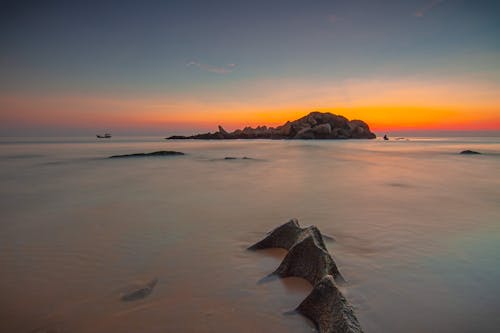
315	125
308	258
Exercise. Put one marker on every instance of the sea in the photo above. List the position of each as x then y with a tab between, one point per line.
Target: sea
415	228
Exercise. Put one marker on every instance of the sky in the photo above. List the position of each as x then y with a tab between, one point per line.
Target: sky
177	67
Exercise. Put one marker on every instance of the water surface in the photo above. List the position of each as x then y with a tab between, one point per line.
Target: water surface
417	229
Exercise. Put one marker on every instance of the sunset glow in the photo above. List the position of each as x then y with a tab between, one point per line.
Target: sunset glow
167	87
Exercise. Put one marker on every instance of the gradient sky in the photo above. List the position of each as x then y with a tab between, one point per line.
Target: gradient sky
69	67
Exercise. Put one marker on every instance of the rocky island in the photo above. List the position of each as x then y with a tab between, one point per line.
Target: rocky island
316	125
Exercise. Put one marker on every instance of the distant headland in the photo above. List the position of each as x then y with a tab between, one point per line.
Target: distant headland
316	125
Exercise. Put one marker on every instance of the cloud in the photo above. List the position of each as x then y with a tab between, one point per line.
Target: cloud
430	5
213	69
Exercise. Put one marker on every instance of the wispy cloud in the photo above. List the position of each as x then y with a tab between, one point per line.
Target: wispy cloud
213	69
430	5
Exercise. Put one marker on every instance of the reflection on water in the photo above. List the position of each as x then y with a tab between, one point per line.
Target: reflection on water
416	228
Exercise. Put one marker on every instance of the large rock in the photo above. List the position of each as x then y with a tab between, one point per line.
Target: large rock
323	129
305	133
309	260
360	130
315	125
328	309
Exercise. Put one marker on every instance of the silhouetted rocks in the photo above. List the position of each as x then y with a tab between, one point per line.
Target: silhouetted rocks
308	258
328	309
316	125
155	153
470	152
141	292
237	158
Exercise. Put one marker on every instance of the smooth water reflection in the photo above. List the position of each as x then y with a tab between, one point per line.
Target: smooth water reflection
416	226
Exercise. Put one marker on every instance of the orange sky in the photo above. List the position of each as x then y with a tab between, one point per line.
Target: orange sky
176	66
384	105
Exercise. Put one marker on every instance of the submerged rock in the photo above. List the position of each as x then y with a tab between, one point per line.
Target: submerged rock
307	259
315	125
286	235
155	153
328	309
470	152
141	292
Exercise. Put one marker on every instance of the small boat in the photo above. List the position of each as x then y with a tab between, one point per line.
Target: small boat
105	136
385	137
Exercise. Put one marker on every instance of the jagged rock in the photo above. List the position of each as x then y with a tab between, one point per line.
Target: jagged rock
141	292
223	132
155	153
328	309
307	259
286	235
315	125
470	152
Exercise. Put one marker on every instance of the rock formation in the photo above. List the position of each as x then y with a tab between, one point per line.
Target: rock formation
328	309
470	152
316	125
141	292
237	158
286	235
308	258
155	153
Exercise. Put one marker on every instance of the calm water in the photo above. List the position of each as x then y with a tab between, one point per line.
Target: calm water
417	230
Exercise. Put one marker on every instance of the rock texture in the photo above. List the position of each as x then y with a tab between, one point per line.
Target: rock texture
316	125
286	235
141	292
328	309
155	153
308	258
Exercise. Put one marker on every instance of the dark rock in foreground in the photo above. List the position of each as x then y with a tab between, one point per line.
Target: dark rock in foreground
470	152
316	125
286	235
141	292
328	309
308	260
155	153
